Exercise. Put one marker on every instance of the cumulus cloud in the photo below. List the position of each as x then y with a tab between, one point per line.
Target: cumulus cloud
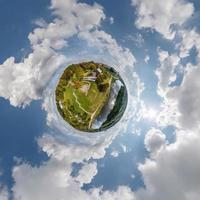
4	195
25	81
122	57
124	148
187	97
53	180
86	173
154	140
168	174
168	114
165	72
146	59
162	15
111	19
180	106
114	153
122	191
146	112
72	17
189	39
171	174
137	39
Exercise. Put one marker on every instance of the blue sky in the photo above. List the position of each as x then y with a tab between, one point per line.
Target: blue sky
155	46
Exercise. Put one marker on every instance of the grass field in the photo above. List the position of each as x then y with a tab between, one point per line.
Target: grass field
82	91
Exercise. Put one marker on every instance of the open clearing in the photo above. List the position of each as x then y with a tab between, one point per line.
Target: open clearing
82	91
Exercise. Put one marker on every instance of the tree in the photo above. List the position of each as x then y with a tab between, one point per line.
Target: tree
103	87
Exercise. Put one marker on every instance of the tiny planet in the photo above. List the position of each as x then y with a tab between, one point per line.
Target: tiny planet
91	96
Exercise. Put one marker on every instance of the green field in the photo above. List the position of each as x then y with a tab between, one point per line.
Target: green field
82	91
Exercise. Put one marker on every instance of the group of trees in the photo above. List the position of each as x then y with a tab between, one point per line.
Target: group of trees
67	74
117	107
100	81
102	87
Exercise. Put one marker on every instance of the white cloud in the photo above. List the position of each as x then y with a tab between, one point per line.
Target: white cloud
120	56
162	15
146	59
4	195
188	99
124	148
78	15
53	180
137	39
86	173
172	174
31	182
146	112
111	19
114	153
72	17
165	72
133	176
190	39
168	174
25	81
154	140
122	191
168	114
40	22
181	102
49	183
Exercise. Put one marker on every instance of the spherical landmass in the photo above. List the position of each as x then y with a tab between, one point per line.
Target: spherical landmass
91	96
